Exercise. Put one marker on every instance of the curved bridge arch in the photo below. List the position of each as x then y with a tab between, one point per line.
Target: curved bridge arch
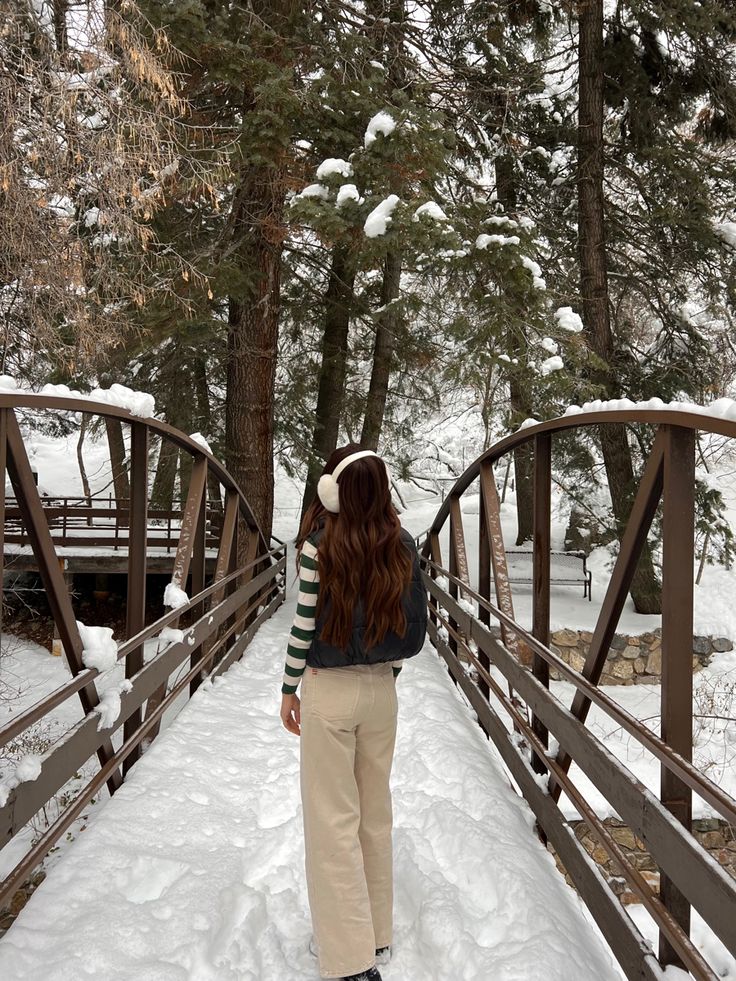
246	586
460	618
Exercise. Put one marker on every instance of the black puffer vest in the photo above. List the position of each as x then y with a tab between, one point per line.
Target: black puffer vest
392	647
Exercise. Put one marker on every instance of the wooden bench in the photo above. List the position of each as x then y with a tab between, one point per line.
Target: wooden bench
566	568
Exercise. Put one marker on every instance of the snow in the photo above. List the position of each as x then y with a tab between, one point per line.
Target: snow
483	241
312	191
549	345
332	166
567	319
383	123
431	209
28	768
534	268
554	363
718	409
380	218
99	649
200	853
137	403
348	192
174	596
726	230
171	635
8	384
201	441
109	706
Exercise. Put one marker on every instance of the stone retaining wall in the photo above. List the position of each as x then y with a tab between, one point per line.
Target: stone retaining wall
631	659
718	837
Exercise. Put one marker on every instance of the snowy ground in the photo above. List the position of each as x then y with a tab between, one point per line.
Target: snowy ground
194	871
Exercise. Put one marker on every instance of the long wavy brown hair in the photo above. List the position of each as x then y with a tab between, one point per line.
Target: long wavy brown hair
360	555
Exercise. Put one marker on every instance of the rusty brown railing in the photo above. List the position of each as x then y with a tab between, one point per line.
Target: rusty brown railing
218	622
103	523
689	876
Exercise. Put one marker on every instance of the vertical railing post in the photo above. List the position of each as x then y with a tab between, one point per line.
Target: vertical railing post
541	598
458	562
484	578
137	547
198	577
678	549
3	462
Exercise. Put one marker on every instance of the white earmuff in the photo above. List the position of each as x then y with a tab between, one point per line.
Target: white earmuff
327	489
328	492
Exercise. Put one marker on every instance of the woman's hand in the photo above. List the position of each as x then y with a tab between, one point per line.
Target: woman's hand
291	713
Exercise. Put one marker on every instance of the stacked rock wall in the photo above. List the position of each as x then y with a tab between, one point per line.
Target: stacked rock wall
718	837
632	659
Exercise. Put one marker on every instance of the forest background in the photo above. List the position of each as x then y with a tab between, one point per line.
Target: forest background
300	223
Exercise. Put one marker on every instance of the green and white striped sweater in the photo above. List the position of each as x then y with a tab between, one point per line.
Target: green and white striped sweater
303	627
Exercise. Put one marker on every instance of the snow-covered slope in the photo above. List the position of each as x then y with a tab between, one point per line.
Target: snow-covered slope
195	869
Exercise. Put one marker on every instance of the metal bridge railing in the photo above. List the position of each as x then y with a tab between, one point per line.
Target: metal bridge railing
519	720
226	609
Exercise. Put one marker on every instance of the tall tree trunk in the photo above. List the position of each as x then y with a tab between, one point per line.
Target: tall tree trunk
645	590
389	21
162	493
251	375
387	325
257	219
60	26
519	391
331	394
116	443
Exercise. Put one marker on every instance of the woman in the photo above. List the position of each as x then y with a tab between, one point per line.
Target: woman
361	610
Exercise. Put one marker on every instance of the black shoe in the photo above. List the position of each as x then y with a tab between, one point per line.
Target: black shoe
372	974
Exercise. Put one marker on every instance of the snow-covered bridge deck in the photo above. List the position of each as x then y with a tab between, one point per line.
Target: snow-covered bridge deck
193	871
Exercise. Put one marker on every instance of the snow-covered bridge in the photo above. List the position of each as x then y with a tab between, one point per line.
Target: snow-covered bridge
194	868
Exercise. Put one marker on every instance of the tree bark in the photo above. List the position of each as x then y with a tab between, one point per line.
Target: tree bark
116	443
331	393
519	391
387	324
162	493
645	589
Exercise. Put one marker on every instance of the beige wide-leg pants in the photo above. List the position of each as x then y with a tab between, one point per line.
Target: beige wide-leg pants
348	732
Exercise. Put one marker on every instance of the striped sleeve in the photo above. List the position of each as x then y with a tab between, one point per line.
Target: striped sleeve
303	627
